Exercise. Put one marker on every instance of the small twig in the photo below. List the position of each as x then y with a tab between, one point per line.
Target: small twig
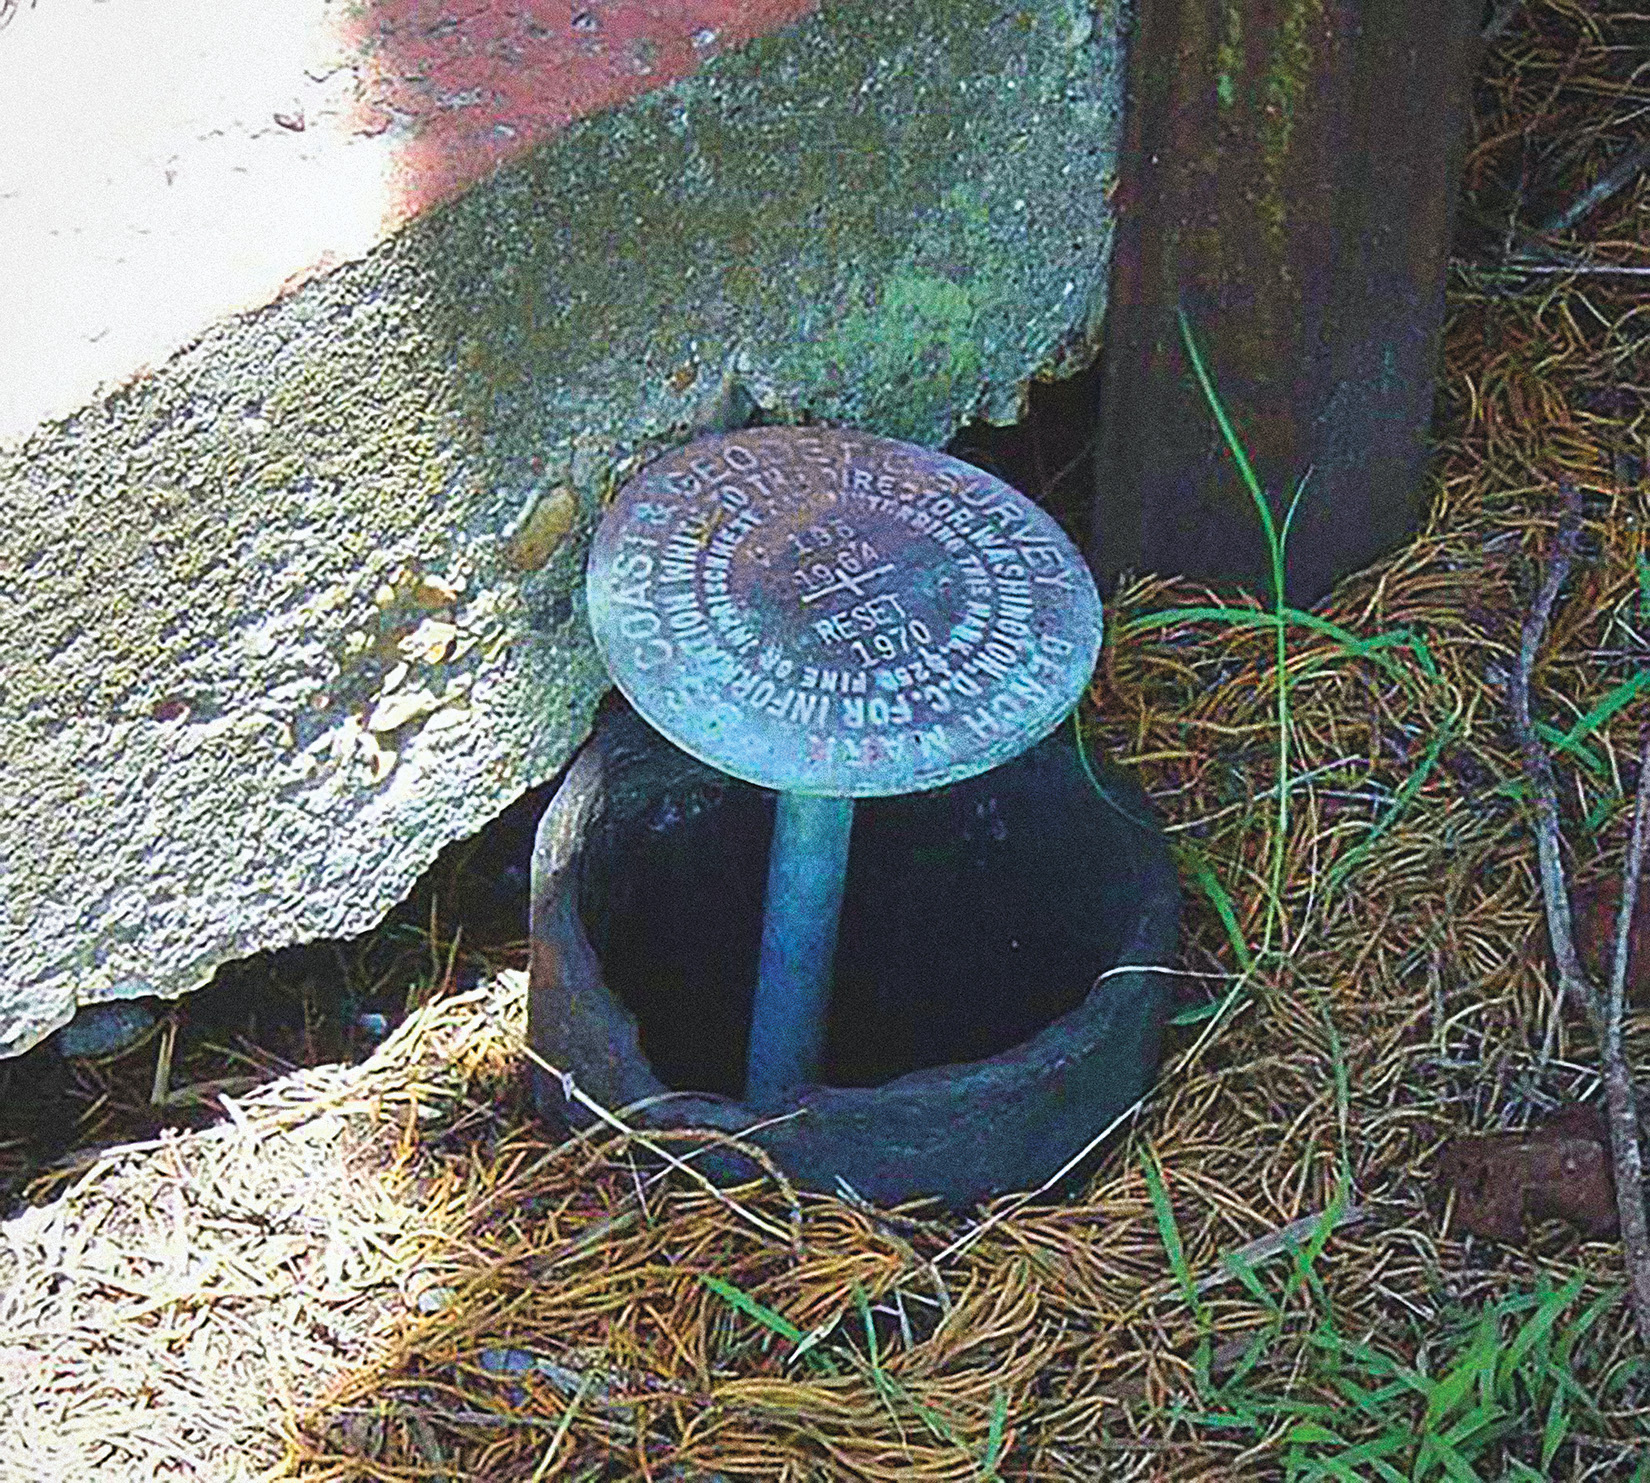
1616	178
1263	1248
1605	1015
1564	270
1538	767
1618	1084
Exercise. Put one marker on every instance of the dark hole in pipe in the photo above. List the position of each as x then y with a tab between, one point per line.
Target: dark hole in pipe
974	916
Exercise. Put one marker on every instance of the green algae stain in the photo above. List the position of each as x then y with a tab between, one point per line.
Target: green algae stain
1229	57
1290	67
868	212
915	337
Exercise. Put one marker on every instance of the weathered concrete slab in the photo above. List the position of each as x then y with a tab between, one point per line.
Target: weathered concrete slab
292	612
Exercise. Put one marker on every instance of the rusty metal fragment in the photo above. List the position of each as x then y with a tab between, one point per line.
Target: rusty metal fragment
1289	173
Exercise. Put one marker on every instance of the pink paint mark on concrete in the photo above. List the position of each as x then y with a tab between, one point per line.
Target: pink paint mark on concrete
468	84
167	165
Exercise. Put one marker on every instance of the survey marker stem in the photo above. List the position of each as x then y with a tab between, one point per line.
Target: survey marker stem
807	867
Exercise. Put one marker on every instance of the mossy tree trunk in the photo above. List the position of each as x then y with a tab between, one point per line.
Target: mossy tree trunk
1289	175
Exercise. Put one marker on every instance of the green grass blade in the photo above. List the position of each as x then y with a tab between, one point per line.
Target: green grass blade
1197	1013
1434	1453
1423	655
1243	1269
1599	814
1197	863
1294	504
863	1304
1099	787
1394	811
1614	700
1202	872
1352	1462
1373	1454
744	1303
937	1425
1305	1258
1536	1328
1374	1362
1478	1421
1376	1402
1312	1431
1395	1393
1555	1429
1564	1381
1253	1354
1575	1332
994	1436
1169	1230
1563	741
1234	444
885	1386
1343	1118
1275	548
1451	1391
1363	648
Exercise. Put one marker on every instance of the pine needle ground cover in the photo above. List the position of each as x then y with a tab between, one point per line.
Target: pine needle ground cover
385	1271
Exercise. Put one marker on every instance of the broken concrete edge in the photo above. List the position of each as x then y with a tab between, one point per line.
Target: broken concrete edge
305	605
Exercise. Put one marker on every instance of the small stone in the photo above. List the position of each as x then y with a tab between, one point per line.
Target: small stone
429	642
106	1029
434	593
394	711
542	528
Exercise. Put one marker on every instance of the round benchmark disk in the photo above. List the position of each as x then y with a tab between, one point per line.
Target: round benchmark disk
824	612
